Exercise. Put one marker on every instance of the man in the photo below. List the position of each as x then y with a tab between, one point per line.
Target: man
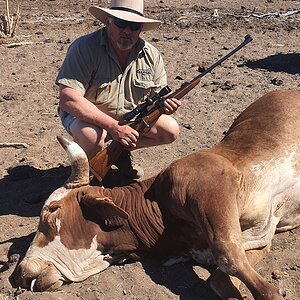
106	74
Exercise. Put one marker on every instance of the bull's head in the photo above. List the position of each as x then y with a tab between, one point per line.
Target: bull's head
68	243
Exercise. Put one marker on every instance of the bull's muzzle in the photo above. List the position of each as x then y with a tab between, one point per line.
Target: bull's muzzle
38	276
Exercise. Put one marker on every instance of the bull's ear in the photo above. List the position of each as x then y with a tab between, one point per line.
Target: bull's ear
111	209
102	210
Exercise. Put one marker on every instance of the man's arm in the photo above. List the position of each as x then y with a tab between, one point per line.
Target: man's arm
81	108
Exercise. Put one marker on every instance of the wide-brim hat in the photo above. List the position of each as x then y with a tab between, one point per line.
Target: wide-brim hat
128	10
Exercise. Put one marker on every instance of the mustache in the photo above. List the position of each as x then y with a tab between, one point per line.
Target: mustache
126	36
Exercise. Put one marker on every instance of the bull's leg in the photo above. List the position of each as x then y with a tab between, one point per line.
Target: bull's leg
231	257
224	285
227	287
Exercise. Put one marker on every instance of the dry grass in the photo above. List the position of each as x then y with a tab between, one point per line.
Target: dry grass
9	23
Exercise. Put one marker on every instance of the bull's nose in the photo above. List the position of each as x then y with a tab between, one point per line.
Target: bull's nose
49	279
25	274
38	276
45	284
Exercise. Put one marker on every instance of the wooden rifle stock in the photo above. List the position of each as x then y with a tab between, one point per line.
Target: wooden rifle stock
101	163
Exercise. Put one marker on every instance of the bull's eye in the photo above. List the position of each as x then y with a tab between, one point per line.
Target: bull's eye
53	208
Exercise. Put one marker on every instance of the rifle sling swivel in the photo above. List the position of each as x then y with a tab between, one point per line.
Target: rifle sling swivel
147	125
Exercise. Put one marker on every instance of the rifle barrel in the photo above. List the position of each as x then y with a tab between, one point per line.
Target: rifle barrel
247	40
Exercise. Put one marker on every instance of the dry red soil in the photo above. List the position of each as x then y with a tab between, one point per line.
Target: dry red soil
193	34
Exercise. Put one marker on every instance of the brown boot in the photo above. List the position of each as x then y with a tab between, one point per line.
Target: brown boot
125	166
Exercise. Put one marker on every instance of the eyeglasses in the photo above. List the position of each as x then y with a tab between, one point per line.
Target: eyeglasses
134	26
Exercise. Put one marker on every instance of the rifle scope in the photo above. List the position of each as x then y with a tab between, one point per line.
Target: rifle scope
148	101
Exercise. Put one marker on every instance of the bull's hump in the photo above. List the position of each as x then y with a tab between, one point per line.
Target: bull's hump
264	130
274	114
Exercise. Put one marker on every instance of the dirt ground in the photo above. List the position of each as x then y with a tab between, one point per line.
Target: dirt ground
194	33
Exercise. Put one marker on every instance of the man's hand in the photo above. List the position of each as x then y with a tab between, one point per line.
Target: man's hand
128	136
125	134
171	105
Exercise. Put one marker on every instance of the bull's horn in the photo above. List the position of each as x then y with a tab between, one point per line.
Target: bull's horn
79	163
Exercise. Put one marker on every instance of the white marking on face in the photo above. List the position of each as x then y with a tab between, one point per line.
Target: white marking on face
74	264
58	224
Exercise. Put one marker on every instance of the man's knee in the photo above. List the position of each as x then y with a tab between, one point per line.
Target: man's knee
88	136
170	132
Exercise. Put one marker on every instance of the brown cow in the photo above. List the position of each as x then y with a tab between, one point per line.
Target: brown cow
221	205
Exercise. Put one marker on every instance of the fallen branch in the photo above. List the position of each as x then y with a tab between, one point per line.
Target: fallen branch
14	145
13	45
17	44
265	15
276	14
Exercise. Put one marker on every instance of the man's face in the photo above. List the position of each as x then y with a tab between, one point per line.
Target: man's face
122	34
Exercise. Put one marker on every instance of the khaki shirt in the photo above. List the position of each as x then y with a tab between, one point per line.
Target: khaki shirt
92	68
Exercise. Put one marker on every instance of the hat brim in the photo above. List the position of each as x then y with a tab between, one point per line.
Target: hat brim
103	13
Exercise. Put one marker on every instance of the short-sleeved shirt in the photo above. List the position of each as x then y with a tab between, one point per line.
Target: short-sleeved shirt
92	68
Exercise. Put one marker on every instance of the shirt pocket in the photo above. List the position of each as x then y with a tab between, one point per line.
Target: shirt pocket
106	99
141	89
102	92
98	91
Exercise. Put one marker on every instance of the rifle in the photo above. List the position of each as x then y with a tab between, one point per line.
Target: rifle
144	115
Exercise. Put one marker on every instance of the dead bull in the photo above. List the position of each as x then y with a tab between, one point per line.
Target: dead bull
226	202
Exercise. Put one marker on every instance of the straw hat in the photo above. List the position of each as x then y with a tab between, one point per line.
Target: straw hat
128	10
